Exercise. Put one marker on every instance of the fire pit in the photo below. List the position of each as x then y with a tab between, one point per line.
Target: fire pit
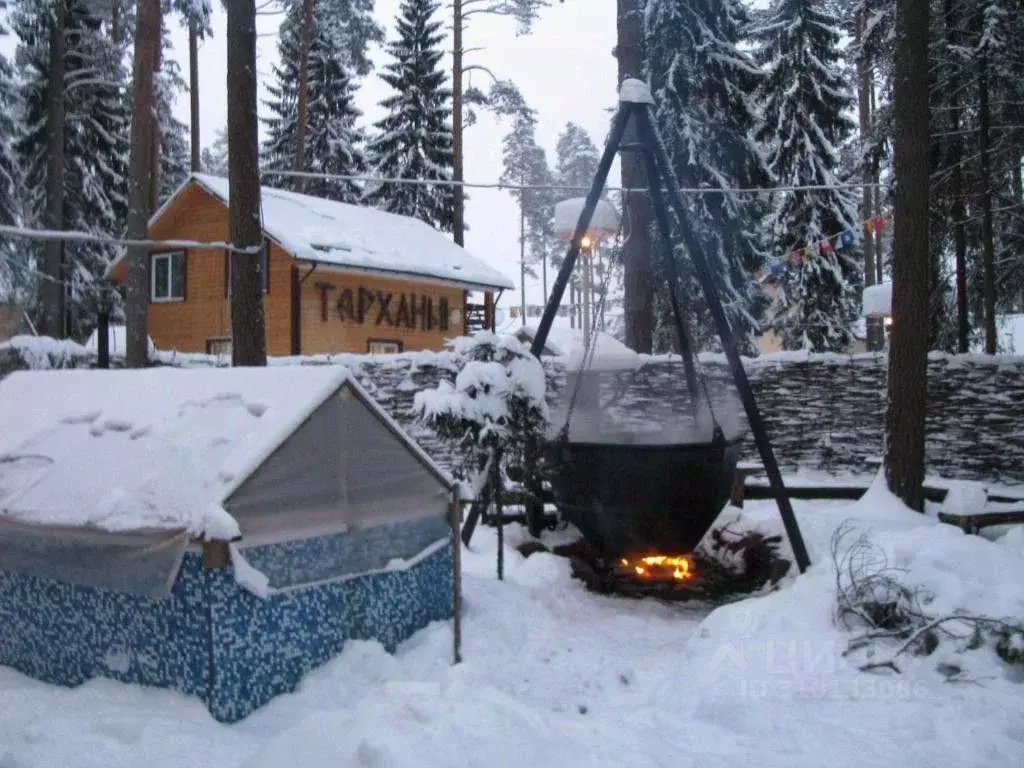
699	575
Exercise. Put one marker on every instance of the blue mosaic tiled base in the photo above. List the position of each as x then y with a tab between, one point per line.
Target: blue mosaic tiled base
211	639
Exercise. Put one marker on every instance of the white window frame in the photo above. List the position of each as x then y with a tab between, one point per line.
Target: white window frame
393	346
169	257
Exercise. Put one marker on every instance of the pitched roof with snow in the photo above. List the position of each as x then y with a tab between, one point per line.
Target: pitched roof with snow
358	237
154	449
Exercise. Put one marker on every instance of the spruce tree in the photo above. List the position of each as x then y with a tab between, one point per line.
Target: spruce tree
576	160
12	268
805	104
705	88
334	143
175	149
525	164
414	140
96	136
215	156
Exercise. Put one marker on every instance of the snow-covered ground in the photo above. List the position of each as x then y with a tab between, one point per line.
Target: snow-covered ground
556	676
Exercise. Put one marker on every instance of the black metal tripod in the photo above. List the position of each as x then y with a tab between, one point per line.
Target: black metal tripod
635	104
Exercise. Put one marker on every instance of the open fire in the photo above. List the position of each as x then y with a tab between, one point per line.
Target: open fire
735	563
657	568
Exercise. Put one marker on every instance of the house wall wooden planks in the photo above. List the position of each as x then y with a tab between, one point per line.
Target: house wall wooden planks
419	315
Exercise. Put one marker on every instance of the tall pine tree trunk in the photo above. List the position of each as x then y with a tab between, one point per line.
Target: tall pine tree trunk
636	253
193	93
248	331
147	46
908	356
305	43
876	332
458	197
958	209
988	252
53	322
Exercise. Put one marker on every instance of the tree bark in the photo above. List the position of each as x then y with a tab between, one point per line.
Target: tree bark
148	27
908	355
52	294
988	252
876	333
305	43
458	197
638	299
248	331
193	92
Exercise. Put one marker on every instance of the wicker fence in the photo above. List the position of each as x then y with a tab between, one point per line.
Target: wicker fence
823	413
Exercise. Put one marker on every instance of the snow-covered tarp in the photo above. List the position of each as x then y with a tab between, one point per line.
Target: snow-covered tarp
358	237
144	450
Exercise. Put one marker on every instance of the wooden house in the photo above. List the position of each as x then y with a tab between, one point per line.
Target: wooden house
337	277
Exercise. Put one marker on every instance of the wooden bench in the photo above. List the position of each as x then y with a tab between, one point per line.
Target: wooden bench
973	523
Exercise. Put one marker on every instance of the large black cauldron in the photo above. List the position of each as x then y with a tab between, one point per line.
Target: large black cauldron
629	499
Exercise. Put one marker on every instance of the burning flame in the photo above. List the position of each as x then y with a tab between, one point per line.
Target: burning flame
659	566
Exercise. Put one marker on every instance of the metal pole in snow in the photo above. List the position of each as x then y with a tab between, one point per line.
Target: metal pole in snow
649	137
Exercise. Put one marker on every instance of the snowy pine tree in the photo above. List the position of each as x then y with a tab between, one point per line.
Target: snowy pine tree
334	143
525	164
96	134
175	149
705	86
12	269
414	140
806	101
215	157
576	160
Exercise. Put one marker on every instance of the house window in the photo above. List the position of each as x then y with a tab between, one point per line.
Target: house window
167	276
383	346
219	346
264	269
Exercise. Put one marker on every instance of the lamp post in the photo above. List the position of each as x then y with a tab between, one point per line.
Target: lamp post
603	224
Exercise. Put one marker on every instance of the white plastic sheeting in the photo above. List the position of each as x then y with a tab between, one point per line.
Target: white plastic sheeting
137	563
344	468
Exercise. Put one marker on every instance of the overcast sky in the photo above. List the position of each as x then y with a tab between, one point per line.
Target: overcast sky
564	68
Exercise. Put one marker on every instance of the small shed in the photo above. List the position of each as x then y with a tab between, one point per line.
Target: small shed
219	532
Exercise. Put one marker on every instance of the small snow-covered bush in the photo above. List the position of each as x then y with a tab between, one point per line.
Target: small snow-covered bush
496	401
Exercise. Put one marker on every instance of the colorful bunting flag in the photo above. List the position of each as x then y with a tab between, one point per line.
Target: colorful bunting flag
844	239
